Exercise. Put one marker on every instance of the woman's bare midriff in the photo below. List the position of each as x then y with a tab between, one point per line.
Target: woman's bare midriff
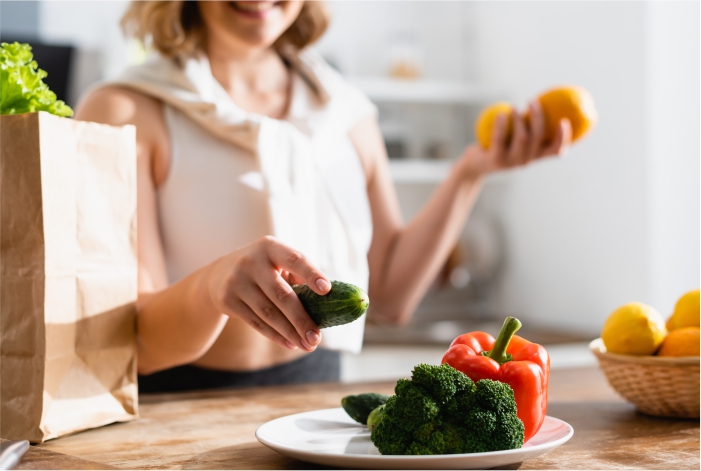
241	348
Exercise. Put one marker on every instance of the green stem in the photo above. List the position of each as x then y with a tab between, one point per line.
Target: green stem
498	353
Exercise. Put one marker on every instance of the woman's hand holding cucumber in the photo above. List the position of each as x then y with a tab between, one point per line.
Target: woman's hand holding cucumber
254	284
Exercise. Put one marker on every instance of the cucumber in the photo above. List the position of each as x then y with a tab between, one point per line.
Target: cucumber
359	407
343	304
376	416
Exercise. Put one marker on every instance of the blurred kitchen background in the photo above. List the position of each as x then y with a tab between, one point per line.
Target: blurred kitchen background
559	244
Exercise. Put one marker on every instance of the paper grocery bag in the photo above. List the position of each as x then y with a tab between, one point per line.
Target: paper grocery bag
68	276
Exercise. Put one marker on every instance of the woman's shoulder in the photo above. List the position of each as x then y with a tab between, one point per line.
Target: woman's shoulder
115	105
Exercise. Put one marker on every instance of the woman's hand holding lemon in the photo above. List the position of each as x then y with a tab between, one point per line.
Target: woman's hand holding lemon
512	141
506	138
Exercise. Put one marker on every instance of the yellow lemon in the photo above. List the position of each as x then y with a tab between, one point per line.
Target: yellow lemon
487	119
635	329
686	312
683	342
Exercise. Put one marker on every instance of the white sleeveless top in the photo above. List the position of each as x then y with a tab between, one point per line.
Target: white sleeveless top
236	176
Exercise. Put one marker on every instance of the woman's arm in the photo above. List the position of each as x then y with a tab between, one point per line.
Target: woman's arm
176	324
404	260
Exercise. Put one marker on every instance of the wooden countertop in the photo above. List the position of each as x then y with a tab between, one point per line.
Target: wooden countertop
215	430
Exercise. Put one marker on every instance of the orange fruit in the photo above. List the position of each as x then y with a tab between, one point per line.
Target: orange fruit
487	119
571	102
686	311
683	342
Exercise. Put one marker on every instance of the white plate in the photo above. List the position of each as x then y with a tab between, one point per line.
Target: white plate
329	437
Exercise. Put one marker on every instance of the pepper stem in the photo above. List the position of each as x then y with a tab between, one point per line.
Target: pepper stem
498	353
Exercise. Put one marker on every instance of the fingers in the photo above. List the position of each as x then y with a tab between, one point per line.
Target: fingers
520	143
498	145
253	284
244	312
536	125
280	293
299	269
562	141
268	312
526	143
294	279
288	259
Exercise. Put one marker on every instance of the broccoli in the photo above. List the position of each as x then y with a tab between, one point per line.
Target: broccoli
441	411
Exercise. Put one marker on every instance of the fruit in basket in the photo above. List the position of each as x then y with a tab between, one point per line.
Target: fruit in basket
634	329
488	117
686	312
683	342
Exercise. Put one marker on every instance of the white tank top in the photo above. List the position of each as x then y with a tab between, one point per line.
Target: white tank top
235	176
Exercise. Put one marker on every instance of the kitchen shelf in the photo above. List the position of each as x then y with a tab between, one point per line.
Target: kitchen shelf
419	171
425	91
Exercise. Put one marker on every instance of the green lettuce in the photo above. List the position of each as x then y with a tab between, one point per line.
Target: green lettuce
21	87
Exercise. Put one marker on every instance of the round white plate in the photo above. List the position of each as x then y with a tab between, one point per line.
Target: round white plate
330	437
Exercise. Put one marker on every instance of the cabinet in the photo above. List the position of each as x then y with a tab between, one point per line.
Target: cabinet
426	123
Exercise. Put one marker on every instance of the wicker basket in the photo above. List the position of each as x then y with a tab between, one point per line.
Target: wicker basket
661	386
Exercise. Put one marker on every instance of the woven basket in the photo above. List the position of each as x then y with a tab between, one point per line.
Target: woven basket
661	386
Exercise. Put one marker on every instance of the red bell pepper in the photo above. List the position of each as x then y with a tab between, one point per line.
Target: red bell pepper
523	365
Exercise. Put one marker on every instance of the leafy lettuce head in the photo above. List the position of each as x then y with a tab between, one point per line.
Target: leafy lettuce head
21	86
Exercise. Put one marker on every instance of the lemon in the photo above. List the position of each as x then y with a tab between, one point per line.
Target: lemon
635	329
488	117
686	311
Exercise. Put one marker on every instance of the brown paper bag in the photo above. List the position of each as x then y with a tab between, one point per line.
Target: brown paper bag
68	276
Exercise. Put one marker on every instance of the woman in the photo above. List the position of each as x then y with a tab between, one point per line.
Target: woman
258	167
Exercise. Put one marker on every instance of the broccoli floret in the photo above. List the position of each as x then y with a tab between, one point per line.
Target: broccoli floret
441	410
414	405
440	382
495	396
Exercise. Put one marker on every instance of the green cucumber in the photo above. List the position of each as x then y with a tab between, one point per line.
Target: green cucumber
376	416
358	407
343	304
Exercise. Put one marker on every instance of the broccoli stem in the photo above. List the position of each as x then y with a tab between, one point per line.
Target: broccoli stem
498	353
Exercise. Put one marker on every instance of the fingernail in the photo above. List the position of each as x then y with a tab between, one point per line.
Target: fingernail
323	285
313	337
290	345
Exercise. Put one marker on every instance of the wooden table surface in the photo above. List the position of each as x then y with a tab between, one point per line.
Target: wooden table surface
215	430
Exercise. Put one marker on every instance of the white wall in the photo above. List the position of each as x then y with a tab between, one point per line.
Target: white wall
616	220
672	131
359	37
93	27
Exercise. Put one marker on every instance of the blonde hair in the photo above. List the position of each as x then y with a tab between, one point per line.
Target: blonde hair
175	28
